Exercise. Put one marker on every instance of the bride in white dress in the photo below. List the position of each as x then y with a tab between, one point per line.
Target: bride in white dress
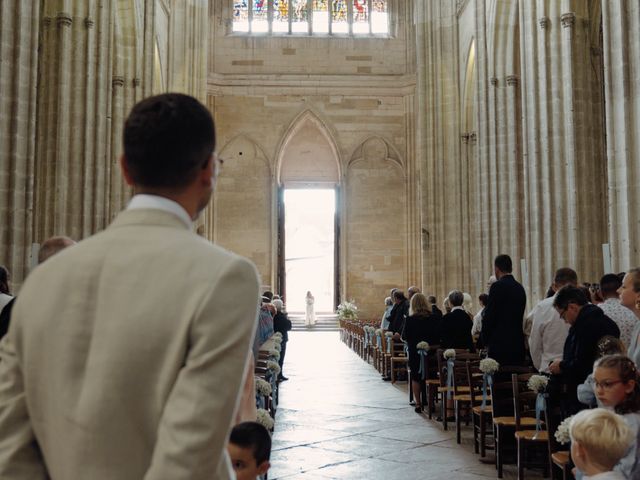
310	317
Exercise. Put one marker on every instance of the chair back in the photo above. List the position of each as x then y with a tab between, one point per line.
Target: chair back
524	399
501	399
461	354
397	349
474	381
431	362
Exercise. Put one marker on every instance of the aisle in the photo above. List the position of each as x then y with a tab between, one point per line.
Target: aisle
338	420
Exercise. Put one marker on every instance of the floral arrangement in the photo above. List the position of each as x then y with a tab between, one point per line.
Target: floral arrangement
273	366
265	419
277	340
489	365
449	354
562	433
348	311
263	387
378	332
538	383
277	335
388	334
369	329
277	347
422	346
275	354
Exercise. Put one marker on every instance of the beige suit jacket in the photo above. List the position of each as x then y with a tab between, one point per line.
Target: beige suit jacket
126	356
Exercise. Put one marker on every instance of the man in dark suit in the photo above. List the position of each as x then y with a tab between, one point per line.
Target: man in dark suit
455	328
502	318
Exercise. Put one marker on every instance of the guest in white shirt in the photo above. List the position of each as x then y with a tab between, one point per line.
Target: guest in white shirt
548	330
624	318
477	320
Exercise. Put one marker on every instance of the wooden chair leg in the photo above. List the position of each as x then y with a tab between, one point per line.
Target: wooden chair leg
498	452
476	436
483	435
458	426
521	460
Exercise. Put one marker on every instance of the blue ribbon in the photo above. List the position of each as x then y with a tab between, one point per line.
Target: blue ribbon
449	377
540	402
366	339
260	400
379	342
423	368
487	379
389	340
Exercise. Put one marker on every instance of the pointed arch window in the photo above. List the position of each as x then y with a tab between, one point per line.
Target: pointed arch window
312	17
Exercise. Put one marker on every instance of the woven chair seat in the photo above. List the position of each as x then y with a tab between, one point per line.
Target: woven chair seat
532	435
511	421
478	409
560	458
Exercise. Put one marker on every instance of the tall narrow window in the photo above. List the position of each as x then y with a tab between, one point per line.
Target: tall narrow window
311	17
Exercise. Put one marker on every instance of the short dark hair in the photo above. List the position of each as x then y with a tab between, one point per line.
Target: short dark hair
399	295
484	298
565	276
432	299
456	298
254	436
167	139
610	283
4	280
569	294
268	294
503	263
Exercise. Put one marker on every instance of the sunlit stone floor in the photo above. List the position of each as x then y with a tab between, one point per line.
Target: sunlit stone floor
338	420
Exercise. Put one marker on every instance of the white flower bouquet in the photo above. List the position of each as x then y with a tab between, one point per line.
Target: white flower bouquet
273	366
263	387
348	311
388	334
489	365
562	433
265	419
277	347
277	335
449	354
275	354
422	346
538	383
378	332
277	340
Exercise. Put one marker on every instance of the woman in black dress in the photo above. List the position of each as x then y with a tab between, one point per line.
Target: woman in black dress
421	326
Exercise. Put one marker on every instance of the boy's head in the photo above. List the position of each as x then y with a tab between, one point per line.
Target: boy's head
599	439
249	448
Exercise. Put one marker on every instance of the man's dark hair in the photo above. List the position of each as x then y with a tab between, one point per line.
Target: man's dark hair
569	294
268	294
565	276
610	283
432	299
503	263
484	299
399	295
167	139
456	298
254	436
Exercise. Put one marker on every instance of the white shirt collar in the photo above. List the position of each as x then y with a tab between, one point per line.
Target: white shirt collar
157	202
457	308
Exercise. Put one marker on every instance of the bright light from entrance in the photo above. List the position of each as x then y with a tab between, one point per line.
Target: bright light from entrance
309	246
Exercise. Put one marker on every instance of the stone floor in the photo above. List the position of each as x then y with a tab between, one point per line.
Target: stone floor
338	420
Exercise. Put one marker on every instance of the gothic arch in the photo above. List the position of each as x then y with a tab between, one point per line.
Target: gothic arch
390	151
234	148
325	169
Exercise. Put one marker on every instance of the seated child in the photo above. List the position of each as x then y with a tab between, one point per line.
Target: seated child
249	448
607	345
599	439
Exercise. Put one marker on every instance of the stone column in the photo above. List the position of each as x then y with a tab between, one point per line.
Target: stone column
20	23
621	30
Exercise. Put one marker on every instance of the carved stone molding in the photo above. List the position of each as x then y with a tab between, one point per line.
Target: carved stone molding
465	137
512	80
88	22
494	81
117	81
135	82
544	22
64	19
568	19
473	137
46	21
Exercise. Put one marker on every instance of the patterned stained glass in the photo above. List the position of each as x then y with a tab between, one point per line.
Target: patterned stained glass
379	17
339	18
240	16
361	17
299	16
280	16
320	16
260	22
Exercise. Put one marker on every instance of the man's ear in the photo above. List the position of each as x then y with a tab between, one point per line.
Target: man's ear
208	174
263	467
125	171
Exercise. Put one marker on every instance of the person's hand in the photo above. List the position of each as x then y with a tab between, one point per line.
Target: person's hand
554	367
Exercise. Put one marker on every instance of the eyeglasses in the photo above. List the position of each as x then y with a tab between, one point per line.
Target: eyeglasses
562	313
606	385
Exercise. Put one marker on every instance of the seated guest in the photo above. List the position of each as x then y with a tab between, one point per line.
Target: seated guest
421	326
249	449
455	328
399	312
588	324
548	330
599	440
282	324
388	305
624	318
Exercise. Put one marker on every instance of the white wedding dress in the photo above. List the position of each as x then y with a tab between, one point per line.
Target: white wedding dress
310	317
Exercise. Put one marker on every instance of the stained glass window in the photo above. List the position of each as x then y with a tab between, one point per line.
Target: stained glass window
310	17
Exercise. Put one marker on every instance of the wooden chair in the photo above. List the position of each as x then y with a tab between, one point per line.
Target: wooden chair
559	456
528	439
481	416
399	360
443	388
462	399
432	381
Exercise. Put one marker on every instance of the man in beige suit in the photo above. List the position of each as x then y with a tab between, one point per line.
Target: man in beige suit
127	352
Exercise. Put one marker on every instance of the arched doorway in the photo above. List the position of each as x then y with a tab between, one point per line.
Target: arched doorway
308	215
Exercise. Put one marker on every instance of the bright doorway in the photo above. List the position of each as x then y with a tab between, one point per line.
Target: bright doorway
310	247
